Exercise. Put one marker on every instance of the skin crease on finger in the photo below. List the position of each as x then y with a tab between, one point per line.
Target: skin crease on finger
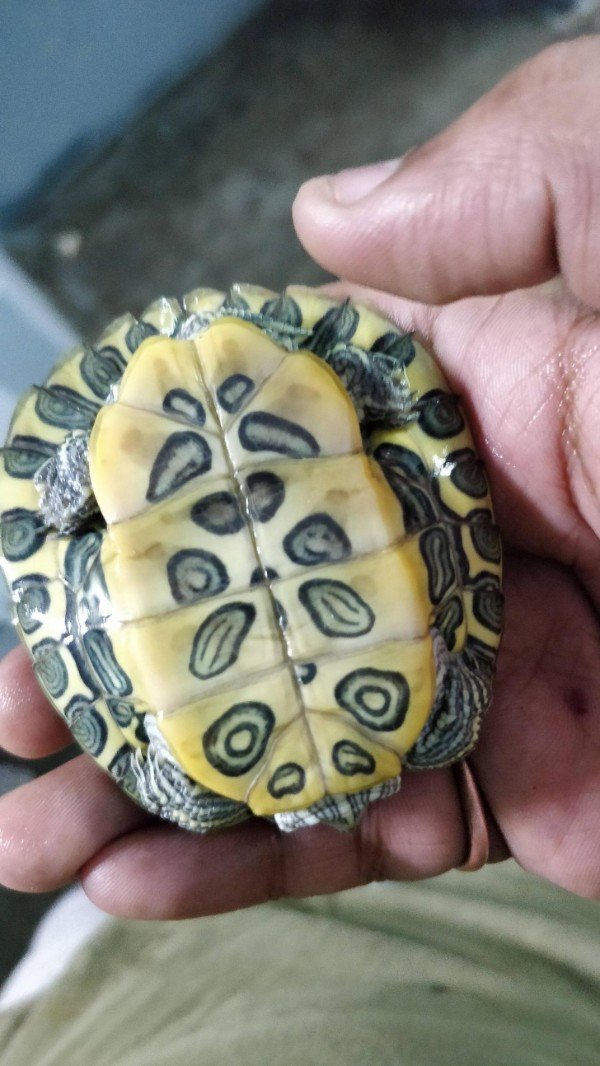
413	835
527	366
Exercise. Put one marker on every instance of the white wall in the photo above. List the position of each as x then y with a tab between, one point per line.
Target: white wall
73	71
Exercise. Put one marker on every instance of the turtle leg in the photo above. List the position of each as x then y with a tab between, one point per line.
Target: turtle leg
165	790
342	812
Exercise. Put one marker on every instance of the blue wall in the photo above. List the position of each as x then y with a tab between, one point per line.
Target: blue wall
73	71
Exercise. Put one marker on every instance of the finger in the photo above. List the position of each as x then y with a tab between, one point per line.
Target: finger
538	758
29	726
163	873
525	366
504	198
50	827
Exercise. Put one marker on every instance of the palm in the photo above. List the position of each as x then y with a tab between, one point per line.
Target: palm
526	365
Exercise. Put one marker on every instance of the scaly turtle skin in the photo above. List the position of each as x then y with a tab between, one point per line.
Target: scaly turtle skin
252	552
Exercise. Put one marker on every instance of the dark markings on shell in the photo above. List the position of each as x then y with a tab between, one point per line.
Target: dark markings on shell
183	456
259	575
112	678
480	657
80	555
236	742
461	559
87	725
448	620
335	608
467	472
488	603
288	780
400	348
194	573
218	513
282	309
266	493
120	768
181	403
435	548
122	711
218	640
485	535
337	326
349	758
32	600
377	699
418	511
402	460
125	715
305	672
22	534
138	332
101	369
409	479
50	668
59	406
234	391
262	431
315	539
439	415
25	455
93	602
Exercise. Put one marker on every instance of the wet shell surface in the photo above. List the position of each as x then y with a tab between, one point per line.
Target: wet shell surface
251	550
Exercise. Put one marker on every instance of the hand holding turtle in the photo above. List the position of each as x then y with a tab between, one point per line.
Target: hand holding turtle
469	213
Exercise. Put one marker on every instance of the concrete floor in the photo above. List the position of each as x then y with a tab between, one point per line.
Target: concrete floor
199	190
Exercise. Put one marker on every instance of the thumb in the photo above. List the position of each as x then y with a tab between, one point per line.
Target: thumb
505	198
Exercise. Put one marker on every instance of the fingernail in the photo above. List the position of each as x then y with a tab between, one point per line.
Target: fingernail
348	186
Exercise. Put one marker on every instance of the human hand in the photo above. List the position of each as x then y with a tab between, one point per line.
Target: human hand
507	197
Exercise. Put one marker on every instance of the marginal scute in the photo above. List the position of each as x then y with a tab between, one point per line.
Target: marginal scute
32	599
291	584
439	415
22	534
101	369
24	455
50	668
60	406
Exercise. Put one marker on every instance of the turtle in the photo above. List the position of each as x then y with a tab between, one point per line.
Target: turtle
251	549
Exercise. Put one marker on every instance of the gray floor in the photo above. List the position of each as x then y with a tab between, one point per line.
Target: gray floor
200	188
